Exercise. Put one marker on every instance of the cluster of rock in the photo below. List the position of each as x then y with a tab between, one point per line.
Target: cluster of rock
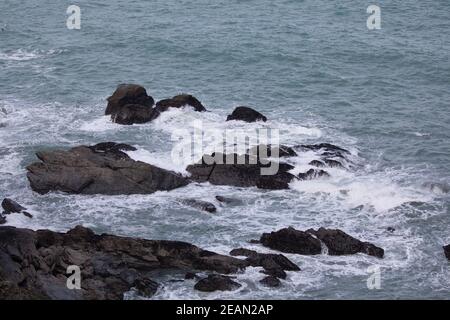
10	206
106	168
131	104
34	264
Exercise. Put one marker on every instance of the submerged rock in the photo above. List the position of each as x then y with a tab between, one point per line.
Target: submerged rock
216	282
271	282
100	169
313	174
2	219
246	114
447	251
200	205
10	206
229	201
128	94
180	101
240	171
308	242
34	263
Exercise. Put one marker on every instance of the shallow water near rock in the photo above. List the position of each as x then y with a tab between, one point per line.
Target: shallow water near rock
317	74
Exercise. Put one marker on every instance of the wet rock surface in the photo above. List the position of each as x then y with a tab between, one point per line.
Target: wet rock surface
310	242
216	282
246	114
240	171
33	264
100	169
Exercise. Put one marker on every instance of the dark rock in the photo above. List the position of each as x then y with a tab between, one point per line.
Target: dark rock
2	219
128	94
290	240
10	206
180	101
229	201
308	242
333	163
113	148
215	282
27	214
390	229
313	174
190	276
242	252
340	243
246	114
133	114
98	170
447	251
266	151
271	282
254	241
200	205
317	163
273	264
33	264
240	171
146	287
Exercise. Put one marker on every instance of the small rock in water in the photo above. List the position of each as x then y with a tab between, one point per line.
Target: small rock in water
2	219
271	282
216	282
246	114
190	275
447	251
229	201
201	205
390	229
10	206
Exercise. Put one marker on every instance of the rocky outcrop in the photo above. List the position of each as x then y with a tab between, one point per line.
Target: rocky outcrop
130	104
240	171
200	205
34	264
310	242
216	282
289	240
179	101
100	169
246	114
447	251
10	206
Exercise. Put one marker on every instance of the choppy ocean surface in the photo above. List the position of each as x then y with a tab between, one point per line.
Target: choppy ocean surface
312	67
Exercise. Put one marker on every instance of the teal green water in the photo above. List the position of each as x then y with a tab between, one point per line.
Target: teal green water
312	67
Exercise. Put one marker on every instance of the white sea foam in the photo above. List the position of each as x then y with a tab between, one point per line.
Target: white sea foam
26	55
